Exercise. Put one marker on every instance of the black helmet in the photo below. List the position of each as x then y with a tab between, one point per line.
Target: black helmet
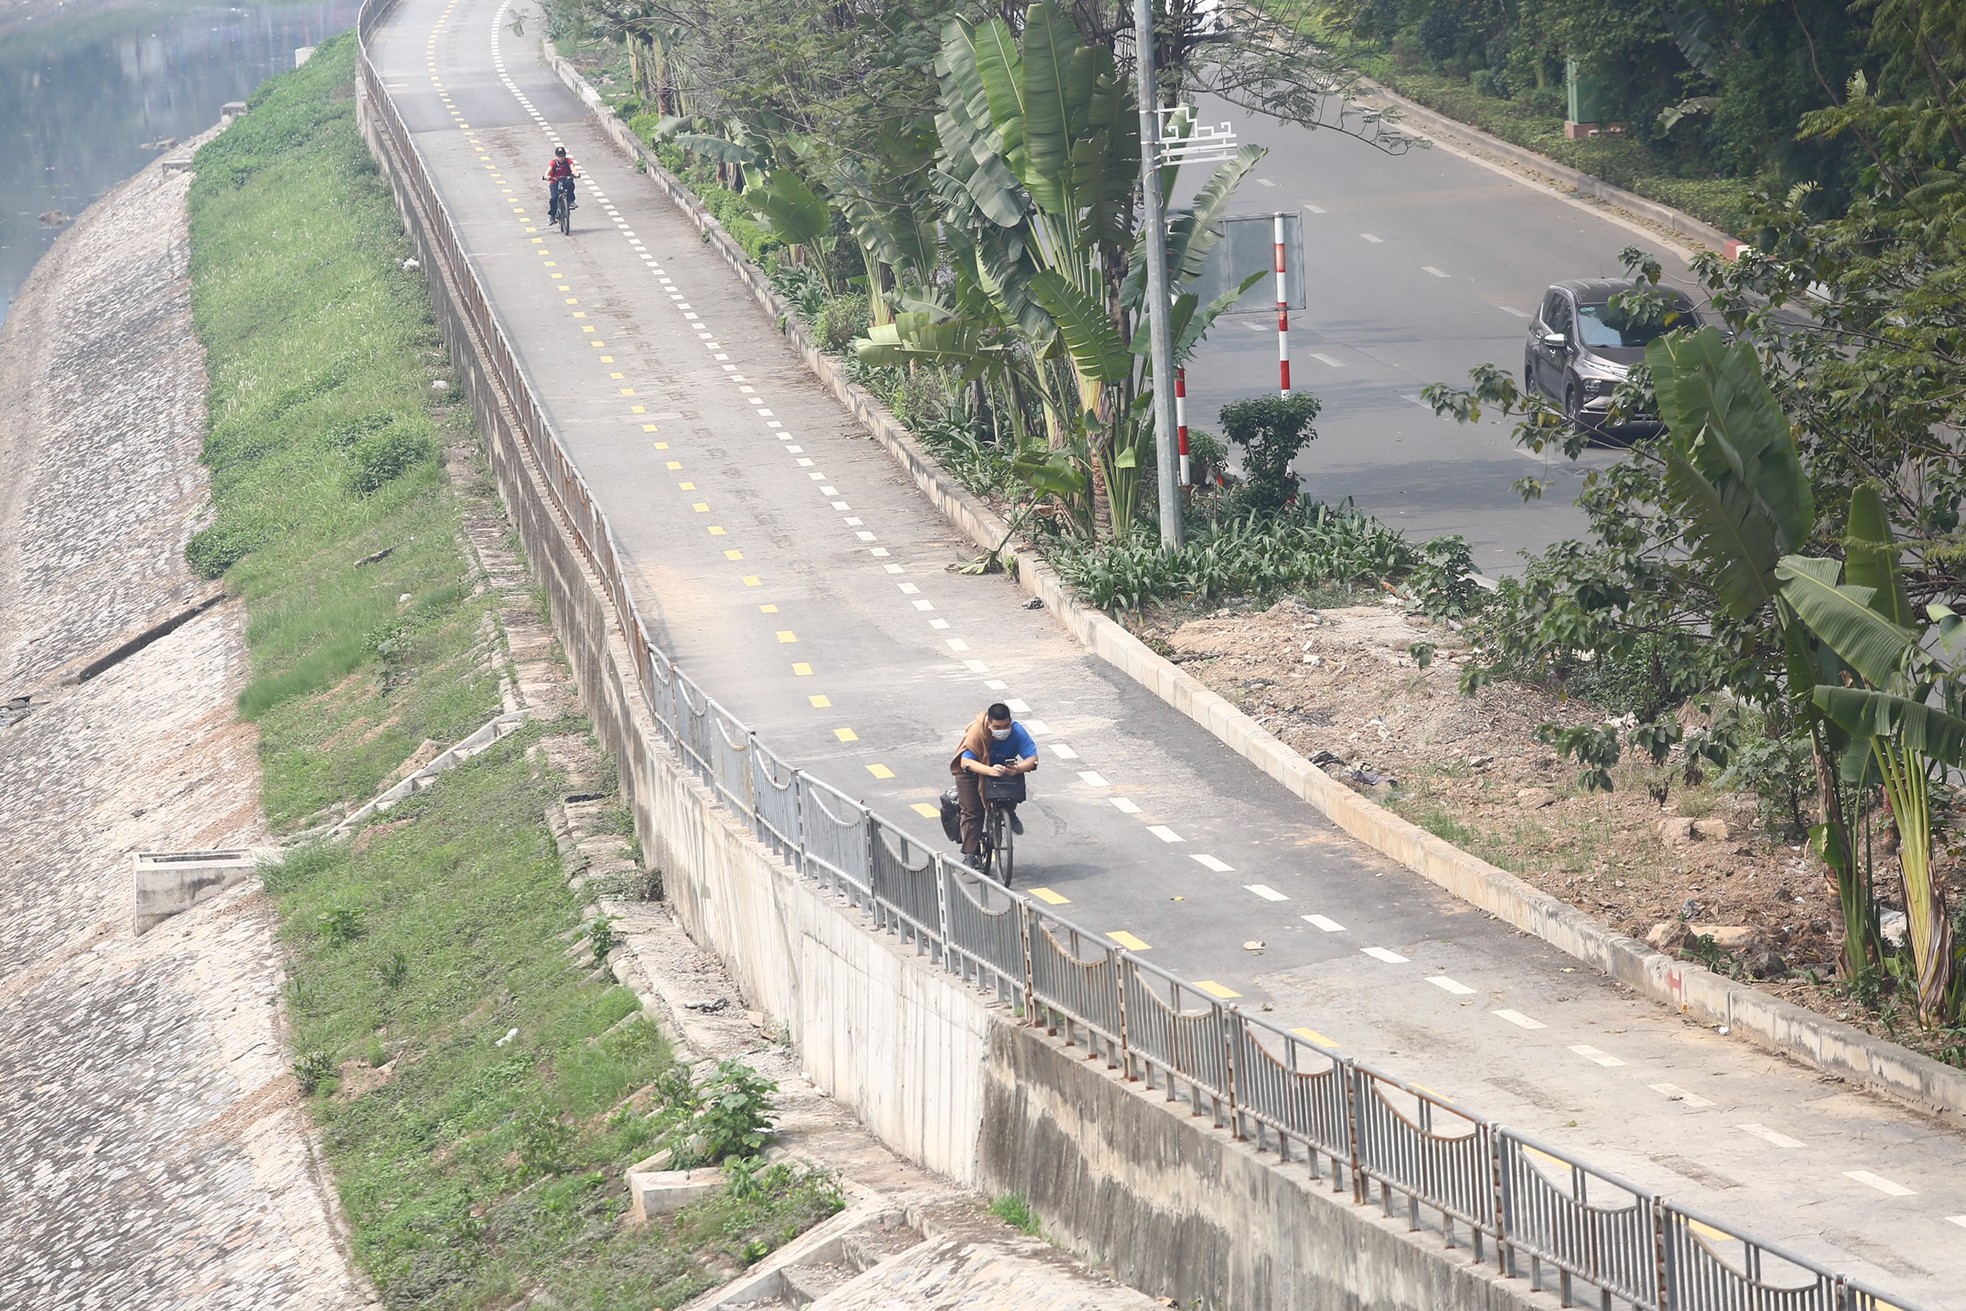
561	151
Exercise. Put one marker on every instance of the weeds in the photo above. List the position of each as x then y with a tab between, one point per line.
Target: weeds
1017	1213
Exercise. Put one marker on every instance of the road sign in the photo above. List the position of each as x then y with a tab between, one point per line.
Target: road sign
1248	246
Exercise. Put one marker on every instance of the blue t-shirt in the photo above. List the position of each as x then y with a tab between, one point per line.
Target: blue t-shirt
1018	746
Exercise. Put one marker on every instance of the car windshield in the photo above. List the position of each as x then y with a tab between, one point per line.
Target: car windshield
1609	327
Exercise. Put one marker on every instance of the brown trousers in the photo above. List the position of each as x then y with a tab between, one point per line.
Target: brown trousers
969	791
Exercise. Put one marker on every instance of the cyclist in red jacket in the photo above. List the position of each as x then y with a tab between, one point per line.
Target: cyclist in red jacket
560	173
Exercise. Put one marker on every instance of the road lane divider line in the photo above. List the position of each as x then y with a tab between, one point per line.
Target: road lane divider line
1679	1094
1889	1188
1518	1019
1324	922
1768	1135
1127	940
1313	1036
1386	954
1219	991
1048	897
1215	866
1596	1054
1266	892
1446	984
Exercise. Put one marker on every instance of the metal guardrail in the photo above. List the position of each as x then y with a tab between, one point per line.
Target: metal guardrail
1520	1203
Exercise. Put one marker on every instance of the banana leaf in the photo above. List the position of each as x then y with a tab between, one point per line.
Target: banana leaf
786	206
1846	620
1872	556
1097	351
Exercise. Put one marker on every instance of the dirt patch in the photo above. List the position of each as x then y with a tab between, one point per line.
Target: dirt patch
1372	694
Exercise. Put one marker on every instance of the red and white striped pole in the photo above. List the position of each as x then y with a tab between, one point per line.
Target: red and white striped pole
1181	421
1283	314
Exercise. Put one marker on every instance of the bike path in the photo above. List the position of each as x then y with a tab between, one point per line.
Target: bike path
795	573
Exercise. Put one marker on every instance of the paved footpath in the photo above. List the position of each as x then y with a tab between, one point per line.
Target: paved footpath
153	1149
794	572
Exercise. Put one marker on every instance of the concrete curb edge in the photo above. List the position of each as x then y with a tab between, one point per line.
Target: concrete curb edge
1830	1046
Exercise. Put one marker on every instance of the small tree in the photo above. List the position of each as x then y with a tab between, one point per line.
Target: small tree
1272	431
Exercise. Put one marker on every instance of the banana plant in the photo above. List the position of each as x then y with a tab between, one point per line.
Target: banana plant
1903	703
1736	480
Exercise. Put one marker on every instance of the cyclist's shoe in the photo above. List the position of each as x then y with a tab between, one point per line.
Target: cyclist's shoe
1016	824
971	859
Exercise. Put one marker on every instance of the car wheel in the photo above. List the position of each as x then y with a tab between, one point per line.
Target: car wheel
1573	410
1528	378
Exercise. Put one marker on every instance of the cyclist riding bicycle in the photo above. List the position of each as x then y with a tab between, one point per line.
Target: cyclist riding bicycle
994	746
560	173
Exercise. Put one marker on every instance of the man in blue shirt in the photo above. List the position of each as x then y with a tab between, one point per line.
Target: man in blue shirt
997	746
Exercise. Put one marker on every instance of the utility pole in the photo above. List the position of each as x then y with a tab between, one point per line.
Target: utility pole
1159	325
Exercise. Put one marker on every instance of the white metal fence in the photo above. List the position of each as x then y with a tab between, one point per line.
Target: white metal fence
1531	1210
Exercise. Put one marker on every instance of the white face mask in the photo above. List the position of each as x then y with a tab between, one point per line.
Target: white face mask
999	733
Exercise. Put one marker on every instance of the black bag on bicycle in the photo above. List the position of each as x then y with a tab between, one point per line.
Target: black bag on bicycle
952	814
1003	791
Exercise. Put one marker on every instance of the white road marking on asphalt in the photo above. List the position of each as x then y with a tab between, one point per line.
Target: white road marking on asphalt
1591	1053
976	666
1093	778
1679	1094
938	623
924	605
908	589
865	536
1063	752
1125	805
1518	1019
1959	1220
1164	833
1438	273
1315	209
1386	954
1377	241
1510	309
1264	182
1768	1135
1446	984
1037	727
1324	922
837	505
1218	866
995	684
956	644
1326	359
1879	1182
878	550
1256	327
805	464
1017	707
1266	892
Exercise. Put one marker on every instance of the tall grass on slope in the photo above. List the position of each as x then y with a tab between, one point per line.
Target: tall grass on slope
480	1081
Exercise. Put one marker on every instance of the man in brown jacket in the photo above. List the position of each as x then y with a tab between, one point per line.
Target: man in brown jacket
996	745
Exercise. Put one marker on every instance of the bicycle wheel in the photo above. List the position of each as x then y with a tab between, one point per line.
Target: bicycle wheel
566	215
1001	849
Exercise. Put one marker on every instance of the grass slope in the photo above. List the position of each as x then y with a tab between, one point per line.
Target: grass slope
476	1168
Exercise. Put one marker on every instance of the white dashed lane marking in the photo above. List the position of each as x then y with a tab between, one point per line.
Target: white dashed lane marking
1164	833
1125	805
1446	984
1326	359
1438	273
1591	1053
1266	892
1768	1135
1214	865
1679	1094
1386	954
1377	241
1886	1186
1520	1020
1324	922
1093	778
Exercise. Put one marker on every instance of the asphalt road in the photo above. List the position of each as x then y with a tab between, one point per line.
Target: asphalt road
1419	267
795	573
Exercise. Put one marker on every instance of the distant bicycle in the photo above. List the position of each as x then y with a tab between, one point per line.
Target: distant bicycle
560	174
997	857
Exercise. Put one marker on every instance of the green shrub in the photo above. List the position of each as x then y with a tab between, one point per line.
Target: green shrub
839	321
216	549
384	456
1272	431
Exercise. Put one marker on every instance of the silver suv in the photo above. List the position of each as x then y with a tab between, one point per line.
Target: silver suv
1581	346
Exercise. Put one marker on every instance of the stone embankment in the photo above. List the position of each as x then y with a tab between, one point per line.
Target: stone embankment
153	1149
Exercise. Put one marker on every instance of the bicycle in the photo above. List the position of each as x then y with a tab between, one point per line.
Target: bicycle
997	857
559	208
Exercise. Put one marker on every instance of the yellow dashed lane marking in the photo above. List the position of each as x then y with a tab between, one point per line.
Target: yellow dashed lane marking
925	810
846	735
787	635
802	671
1050	898
1127	940
639	409
880	771
752	580
701	507
627	391
685	487
660	446
1220	991
716	531
733	555
674	464
820	702
1313	1036
767	609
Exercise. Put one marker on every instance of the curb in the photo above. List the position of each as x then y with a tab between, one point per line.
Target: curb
1830	1046
1438	124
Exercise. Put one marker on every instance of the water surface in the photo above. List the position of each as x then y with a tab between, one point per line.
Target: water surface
85	97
